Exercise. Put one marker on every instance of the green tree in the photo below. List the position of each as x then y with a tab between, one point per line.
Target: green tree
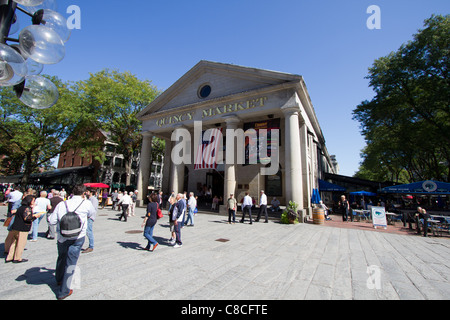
115	99
407	124
31	138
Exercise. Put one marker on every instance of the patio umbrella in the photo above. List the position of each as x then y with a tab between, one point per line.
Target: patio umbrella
363	193
97	185
315	198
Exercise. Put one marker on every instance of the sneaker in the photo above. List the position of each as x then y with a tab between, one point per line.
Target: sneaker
177	245
69	294
87	250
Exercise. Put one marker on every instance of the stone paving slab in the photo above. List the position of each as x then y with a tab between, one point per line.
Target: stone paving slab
259	262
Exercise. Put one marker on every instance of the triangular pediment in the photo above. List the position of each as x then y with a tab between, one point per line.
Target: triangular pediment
223	80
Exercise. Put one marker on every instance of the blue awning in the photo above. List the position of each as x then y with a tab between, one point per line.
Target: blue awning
363	193
327	186
422	187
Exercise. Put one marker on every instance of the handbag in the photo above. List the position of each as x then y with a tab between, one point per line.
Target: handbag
8	221
159	213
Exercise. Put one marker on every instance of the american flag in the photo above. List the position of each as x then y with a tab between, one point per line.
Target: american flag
207	150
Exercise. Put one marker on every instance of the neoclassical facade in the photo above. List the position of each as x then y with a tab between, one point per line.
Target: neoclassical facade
274	105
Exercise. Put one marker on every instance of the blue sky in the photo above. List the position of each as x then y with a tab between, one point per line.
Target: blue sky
327	42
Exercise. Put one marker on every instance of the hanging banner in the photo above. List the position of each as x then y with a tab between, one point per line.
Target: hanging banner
379	217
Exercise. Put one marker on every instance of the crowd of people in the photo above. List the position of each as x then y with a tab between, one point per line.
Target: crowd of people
25	212
27	209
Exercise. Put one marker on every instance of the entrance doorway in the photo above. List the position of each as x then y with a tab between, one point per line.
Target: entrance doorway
216	181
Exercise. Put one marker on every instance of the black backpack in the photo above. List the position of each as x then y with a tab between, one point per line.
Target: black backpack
70	225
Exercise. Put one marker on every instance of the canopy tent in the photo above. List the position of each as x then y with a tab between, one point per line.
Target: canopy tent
97	185
327	186
422	187
363	193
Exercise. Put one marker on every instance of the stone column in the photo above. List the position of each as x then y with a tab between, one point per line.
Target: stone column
144	167
293	176
230	168
176	175
307	192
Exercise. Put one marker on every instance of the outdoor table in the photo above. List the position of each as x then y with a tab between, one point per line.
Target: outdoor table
359	213
369	214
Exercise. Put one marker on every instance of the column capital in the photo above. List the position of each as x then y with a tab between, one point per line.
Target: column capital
232	120
291	110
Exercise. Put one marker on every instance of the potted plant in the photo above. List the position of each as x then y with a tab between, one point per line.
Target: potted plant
290	215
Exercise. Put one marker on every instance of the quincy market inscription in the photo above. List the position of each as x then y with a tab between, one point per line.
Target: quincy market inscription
214	111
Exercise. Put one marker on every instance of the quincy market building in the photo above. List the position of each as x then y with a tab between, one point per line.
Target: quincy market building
229	97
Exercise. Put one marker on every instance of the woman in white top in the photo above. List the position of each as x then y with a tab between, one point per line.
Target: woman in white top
41	206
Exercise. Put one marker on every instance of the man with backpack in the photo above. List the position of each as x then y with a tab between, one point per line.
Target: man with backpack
70	218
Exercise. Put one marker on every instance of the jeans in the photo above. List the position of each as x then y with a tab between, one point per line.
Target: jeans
36	227
262	208
90	232
124	212
190	216
178	233
249	210
148	234
68	254
231	212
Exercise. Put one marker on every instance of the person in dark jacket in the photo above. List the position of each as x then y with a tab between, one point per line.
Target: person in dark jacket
150	222
17	237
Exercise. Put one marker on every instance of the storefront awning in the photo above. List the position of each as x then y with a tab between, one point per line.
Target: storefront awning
327	186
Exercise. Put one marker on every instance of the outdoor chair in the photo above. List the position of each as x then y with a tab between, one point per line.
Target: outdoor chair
397	217
443	228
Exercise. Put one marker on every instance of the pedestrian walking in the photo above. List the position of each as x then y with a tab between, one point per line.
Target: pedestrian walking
42	206
114	199
51	232
172	201
262	207
178	216
150	222
14	201
69	248
104	199
119	197
232	207
17	237
247	207
125	203
92	197
344	206
134	196
192	204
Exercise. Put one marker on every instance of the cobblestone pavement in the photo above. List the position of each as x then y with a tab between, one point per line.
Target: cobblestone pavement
260	261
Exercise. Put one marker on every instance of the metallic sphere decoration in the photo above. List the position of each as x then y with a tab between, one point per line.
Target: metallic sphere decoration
39	44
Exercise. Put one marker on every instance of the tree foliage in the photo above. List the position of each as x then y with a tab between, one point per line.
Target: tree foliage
115	99
31	138
407	124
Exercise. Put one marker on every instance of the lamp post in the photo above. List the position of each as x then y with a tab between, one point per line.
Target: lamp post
7	13
39	44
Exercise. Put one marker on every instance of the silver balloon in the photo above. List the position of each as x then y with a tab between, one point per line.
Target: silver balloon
55	21
42	44
34	68
39	92
13	68
30	3
46	4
